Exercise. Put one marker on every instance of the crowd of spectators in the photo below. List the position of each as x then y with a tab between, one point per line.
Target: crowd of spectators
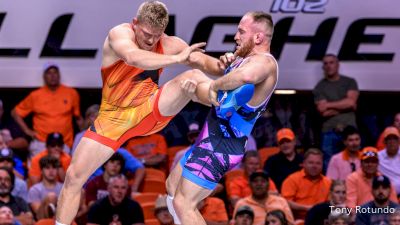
287	176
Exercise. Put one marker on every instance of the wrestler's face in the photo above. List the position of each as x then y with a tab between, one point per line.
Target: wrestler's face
146	36
244	37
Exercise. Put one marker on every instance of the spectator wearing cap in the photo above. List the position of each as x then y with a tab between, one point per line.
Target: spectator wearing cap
359	183
381	140
238	187
52	106
287	161
389	157
213	211
13	137
347	161
307	187
161	211
7	161
381	189
54	148
260	201
44	193
244	215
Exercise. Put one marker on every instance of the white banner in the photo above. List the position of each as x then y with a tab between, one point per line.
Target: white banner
364	33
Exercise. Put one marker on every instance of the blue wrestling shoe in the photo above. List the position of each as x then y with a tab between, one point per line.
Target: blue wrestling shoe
230	101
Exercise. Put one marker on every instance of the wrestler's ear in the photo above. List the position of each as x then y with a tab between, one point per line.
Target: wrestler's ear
258	38
134	21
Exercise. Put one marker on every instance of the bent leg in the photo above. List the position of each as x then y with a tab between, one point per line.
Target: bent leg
89	156
187	197
174	98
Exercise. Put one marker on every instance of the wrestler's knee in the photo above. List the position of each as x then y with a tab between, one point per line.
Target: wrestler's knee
193	74
182	204
74	177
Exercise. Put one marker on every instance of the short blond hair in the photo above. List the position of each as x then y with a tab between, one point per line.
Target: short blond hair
153	13
265	18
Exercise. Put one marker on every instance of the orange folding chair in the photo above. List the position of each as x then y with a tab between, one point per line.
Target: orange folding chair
155	174
146	197
151	222
171	152
148	210
266	152
154	185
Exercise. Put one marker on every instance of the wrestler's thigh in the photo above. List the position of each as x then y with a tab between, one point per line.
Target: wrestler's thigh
173	98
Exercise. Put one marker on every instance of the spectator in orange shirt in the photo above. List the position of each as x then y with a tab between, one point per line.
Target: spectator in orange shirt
381	141
151	150
53	106
213	211
54	148
260	201
359	183
239	187
307	187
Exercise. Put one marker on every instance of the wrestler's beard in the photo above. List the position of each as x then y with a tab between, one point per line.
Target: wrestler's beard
245	49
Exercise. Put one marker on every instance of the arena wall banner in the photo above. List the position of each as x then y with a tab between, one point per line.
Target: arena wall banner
365	35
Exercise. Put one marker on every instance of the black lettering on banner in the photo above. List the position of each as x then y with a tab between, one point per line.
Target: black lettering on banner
355	37
319	42
296	6
204	28
12	52
55	38
170	29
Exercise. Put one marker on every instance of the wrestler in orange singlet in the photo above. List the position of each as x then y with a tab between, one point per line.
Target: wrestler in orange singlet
132	103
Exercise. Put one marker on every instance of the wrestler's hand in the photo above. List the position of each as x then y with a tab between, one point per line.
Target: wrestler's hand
226	59
183	56
212	94
189	88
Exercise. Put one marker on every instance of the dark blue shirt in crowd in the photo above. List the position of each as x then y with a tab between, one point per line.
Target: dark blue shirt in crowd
128	212
375	217
279	167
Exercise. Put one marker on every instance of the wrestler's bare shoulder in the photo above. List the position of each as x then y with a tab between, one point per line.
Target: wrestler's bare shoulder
172	45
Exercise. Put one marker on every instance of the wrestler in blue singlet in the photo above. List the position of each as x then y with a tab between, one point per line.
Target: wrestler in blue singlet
221	143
